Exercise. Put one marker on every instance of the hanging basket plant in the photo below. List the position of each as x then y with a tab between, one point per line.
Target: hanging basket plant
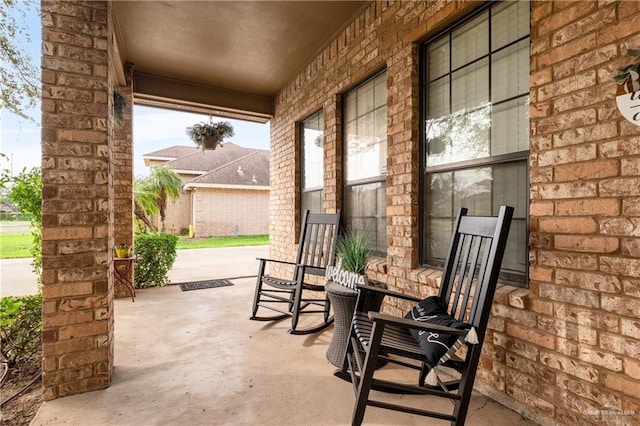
210	135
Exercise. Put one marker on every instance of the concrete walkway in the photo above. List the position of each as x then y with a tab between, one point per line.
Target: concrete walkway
18	279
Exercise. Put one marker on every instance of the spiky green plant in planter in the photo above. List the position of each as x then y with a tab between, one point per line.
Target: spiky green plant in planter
353	249
209	135
628	79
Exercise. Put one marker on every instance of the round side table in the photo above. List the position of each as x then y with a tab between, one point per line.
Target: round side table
343	299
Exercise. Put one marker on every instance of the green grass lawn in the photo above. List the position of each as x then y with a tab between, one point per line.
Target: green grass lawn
242	240
15	245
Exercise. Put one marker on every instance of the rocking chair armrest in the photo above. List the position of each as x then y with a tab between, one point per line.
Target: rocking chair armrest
305	266
416	325
388	292
284	262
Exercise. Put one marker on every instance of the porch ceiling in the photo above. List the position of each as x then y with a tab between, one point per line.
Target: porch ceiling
225	57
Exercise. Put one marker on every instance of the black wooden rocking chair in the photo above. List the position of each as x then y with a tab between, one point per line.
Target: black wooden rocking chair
290	296
461	309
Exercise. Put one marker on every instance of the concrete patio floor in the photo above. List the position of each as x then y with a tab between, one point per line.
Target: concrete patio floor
194	358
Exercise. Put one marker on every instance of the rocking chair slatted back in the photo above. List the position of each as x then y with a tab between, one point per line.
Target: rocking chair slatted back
317	242
467	264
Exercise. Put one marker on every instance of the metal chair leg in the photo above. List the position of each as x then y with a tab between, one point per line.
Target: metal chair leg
366	377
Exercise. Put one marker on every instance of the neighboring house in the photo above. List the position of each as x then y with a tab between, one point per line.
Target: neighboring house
8	208
225	192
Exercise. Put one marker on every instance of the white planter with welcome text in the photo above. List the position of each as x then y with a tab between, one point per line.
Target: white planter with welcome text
629	106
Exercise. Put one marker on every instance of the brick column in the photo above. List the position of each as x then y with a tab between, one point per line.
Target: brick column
123	172
77	206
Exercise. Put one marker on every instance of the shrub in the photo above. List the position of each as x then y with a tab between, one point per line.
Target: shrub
20	327
156	254
25	191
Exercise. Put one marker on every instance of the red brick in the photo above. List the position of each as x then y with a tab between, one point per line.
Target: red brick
588	281
620	187
630	327
619	383
586	244
67	318
566	121
619	31
600	358
570	295
589	60
592	22
570	366
540	405
570	84
620	345
631	247
94	328
587	390
591	170
54	291
620	266
562	18
540	274
579	135
591	207
621	147
585	225
537	338
621	305
631	206
632	368
626	227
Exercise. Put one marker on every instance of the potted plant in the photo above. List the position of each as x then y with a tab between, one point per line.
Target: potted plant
123	250
209	135
353	250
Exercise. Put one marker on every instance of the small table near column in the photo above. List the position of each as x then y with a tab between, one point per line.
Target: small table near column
123	268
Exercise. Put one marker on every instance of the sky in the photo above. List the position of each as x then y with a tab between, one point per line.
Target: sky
153	128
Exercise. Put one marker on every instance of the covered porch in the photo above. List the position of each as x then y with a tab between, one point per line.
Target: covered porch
194	358
563	343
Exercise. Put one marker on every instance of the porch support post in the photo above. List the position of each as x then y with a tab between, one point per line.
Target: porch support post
78	197
123	169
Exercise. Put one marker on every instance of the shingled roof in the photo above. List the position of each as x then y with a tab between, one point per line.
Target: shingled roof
250	170
168	154
228	165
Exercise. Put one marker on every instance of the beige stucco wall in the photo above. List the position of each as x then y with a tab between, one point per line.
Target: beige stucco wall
218	211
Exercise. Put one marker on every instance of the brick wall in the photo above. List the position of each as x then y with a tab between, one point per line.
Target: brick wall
77	150
566	348
584	297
